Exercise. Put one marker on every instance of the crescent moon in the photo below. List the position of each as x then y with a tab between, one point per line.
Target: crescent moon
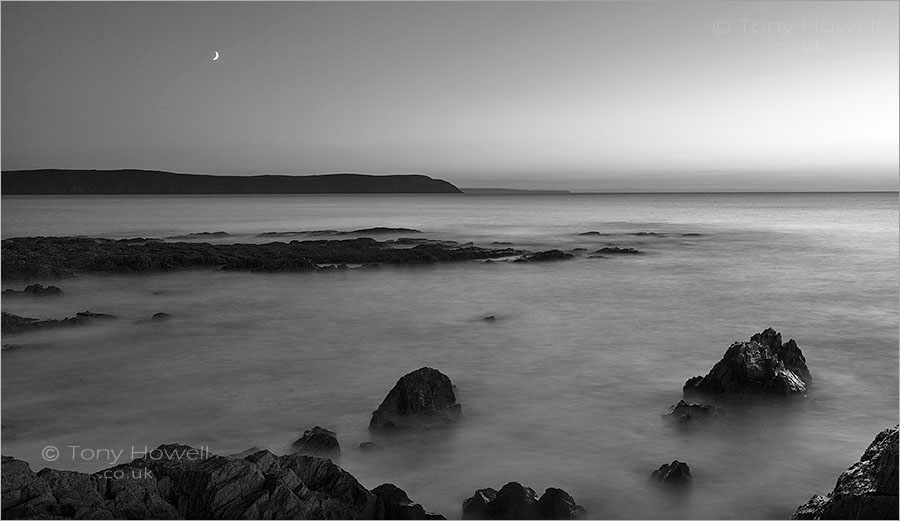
216	57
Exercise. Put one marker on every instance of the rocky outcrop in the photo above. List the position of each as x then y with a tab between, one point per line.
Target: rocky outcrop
515	501
397	504
761	366
160	317
867	490
545	256
685	412
180	482
421	398
318	441
676	473
34	290
37	257
12	324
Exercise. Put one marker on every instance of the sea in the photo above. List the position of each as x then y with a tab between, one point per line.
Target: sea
566	388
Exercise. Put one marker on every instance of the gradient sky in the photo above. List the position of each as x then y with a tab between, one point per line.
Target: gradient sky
585	96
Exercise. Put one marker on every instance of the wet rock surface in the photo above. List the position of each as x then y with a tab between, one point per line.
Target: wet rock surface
12	324
318	441
684	412
615	250
867	490
676	473
421	398
515	501
35	257
545	256
761	366
180	482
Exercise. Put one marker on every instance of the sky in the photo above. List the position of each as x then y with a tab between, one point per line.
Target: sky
591	96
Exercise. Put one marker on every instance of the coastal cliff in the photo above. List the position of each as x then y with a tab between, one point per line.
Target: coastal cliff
22	182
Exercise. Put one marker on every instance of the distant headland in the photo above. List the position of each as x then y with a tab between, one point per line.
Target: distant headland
159	182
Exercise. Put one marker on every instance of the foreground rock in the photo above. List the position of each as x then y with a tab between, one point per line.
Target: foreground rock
515	501
12	324
867	490
35	257
685	412
180	482
397	504
761	366
421	398
318	441
34	290
676	473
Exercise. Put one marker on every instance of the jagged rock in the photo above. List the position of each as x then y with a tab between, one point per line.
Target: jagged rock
24	494
684	411
545	256
422	397
867	490
318	441
515	501
397	504
615	250
762	365
35	290
556	503
12	324
675	473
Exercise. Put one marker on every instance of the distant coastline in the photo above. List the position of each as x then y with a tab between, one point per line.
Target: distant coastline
47	182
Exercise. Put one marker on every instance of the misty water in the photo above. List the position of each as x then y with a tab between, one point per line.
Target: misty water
565	388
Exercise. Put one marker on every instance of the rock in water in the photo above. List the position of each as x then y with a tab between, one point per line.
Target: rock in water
684	411
424	396
397	504
761	366
545	256
867	490
35	290
318	441
675	473
159	317
515	501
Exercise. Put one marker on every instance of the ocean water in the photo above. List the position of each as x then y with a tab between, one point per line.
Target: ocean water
565	389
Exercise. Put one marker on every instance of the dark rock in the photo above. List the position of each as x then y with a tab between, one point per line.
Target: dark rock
318	441
397	504
515	501
34	290
502	243
369	446
422	397
590	233
159	317
200	235
761	366
382	229
675	473
545	256
12	324
24	494
615	250
646	233
867	490
490	317
691	234
556	503
684	411
32	257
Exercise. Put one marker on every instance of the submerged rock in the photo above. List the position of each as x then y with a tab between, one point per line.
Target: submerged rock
397	504
159	317
422	397
490	317
545	256
867	490
675	473
34	290
515	501
761	366
318	441
684	411
12	324
615	250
